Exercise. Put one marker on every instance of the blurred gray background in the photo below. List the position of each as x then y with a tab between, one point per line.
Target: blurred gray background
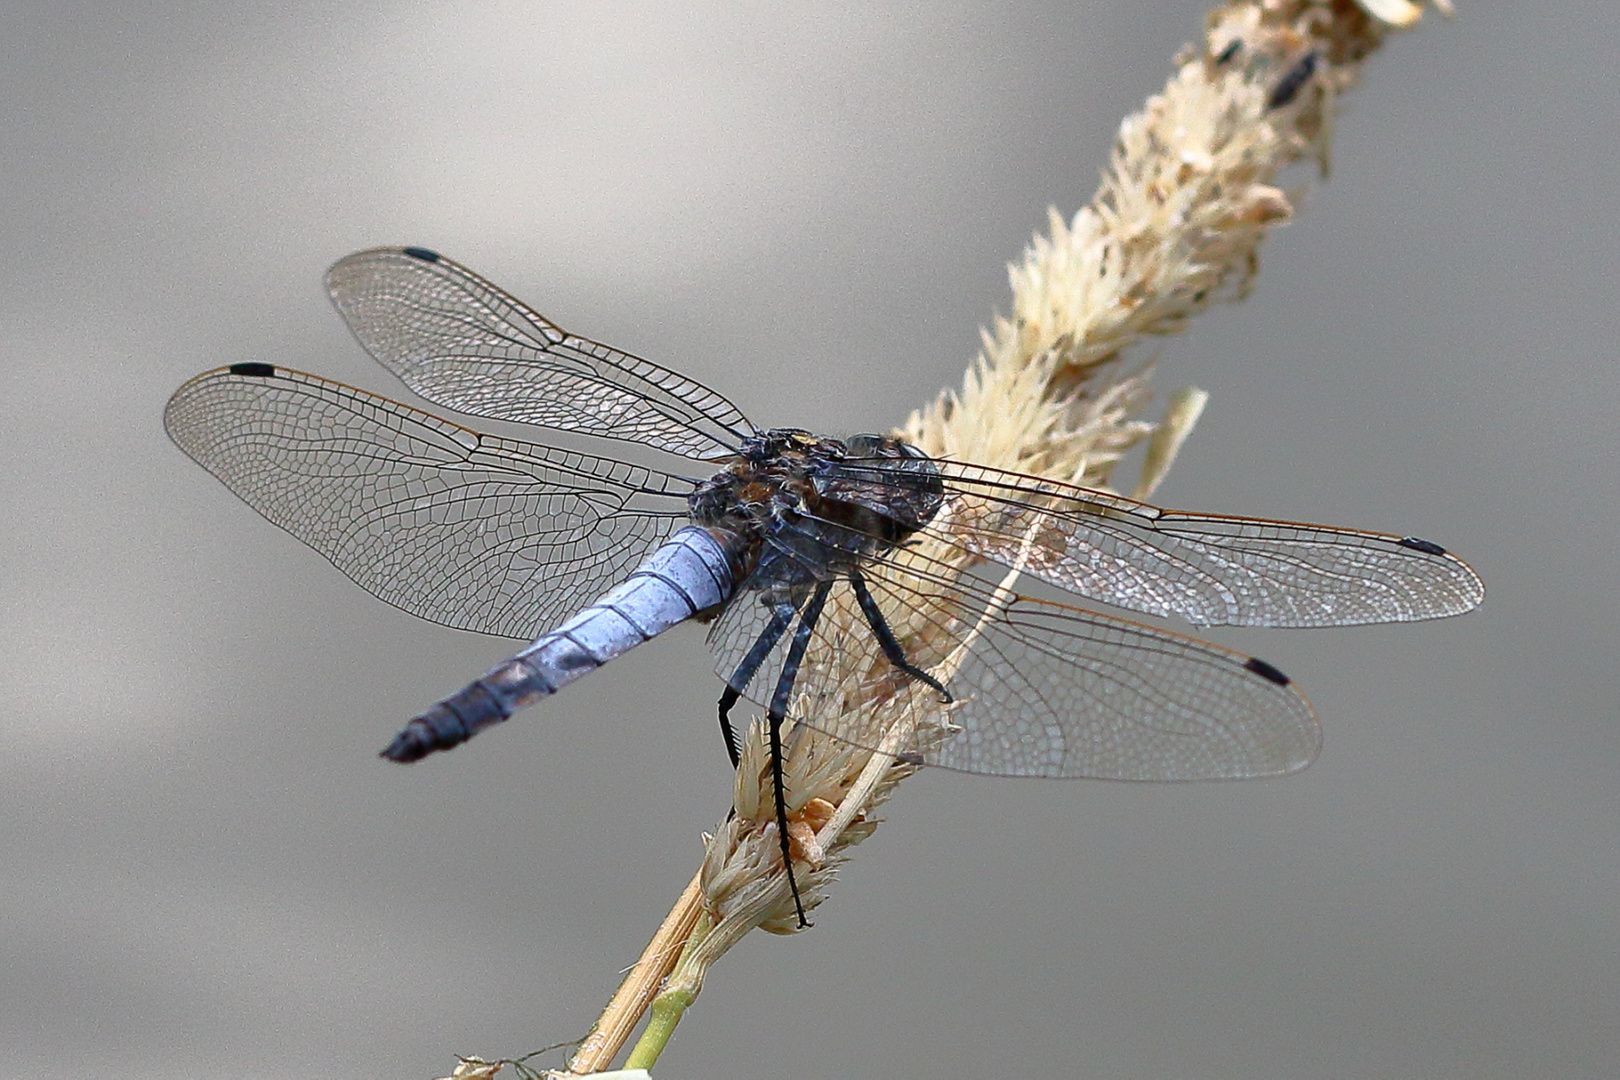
207	870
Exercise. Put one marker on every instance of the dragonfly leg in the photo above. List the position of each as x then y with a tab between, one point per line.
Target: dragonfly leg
781	615
728	698
774	716
886	639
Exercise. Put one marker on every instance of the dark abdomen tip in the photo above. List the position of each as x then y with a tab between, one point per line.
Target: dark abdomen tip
1425	546
253	371
449	723
422	253
1266	671
440	728
412	744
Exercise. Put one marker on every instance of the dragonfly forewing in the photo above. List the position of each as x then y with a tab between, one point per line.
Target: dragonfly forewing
1212	570
463	343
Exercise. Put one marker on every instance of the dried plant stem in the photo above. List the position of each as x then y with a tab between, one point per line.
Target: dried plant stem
703	948
612	1029
667	1008
1188	196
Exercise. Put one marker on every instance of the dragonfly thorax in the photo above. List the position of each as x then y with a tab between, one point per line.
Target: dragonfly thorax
820	503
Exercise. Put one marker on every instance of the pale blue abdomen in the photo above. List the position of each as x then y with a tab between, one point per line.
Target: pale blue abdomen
690	572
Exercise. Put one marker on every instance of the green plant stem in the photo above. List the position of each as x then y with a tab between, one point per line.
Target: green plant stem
667	1010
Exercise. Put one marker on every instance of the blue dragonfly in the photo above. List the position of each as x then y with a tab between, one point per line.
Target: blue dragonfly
819	564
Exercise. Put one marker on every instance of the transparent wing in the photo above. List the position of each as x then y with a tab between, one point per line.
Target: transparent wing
460	342
1041	689
1210	569
468	530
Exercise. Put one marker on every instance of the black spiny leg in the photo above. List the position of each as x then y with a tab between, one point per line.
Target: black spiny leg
886	640
780	617
728	698
774	717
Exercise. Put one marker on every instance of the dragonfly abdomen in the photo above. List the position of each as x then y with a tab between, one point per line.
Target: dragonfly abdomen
691	572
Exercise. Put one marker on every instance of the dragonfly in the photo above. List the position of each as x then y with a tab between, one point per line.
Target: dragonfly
827	570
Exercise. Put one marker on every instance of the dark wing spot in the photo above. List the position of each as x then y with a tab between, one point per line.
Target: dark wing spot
1225	55
1293	80
1266	671
1425	546
422	253
253	371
